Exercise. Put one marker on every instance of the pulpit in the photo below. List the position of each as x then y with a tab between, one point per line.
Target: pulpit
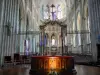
52	65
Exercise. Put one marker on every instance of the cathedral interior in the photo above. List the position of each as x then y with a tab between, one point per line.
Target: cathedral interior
49	34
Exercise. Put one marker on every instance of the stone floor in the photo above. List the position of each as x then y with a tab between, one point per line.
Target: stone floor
24	70
87	70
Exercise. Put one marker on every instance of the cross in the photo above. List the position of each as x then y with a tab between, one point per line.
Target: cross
53	15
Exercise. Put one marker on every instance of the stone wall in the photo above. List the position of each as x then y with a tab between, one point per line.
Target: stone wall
9	27
78	28
94	17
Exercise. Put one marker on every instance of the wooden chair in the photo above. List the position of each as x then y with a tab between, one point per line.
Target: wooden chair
8	61
17	58
23	59
26	59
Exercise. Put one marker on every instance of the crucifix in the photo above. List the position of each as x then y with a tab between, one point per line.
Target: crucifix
53	13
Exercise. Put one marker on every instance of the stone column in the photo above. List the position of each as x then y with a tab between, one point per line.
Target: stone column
1	28
94	18
42	39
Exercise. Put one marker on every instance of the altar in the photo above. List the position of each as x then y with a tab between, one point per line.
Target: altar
53	32
52	65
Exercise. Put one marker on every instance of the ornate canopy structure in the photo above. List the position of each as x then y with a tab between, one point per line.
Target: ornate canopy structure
52	37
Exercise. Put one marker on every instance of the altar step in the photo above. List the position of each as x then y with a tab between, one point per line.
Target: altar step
81	70
85	60
82	58
94	64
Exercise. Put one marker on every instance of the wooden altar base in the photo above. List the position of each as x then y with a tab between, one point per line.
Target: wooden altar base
52	65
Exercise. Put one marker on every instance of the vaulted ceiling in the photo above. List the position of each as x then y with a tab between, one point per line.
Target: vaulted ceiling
33	7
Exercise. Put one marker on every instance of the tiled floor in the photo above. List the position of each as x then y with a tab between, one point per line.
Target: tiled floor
24	70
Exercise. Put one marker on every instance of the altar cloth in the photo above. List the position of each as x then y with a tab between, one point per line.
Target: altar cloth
47	64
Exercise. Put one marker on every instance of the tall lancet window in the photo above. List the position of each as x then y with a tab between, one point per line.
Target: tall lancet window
59	12
66	40
74	35
79	28
45	12
88	27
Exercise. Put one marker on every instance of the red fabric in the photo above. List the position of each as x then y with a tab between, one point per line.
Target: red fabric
52	56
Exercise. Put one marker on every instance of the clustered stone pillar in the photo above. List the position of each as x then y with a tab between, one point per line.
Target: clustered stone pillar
63	32
9	18
42	40
94	18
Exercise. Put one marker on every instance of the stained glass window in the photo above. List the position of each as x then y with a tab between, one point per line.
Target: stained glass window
59	12
52	12
46	12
